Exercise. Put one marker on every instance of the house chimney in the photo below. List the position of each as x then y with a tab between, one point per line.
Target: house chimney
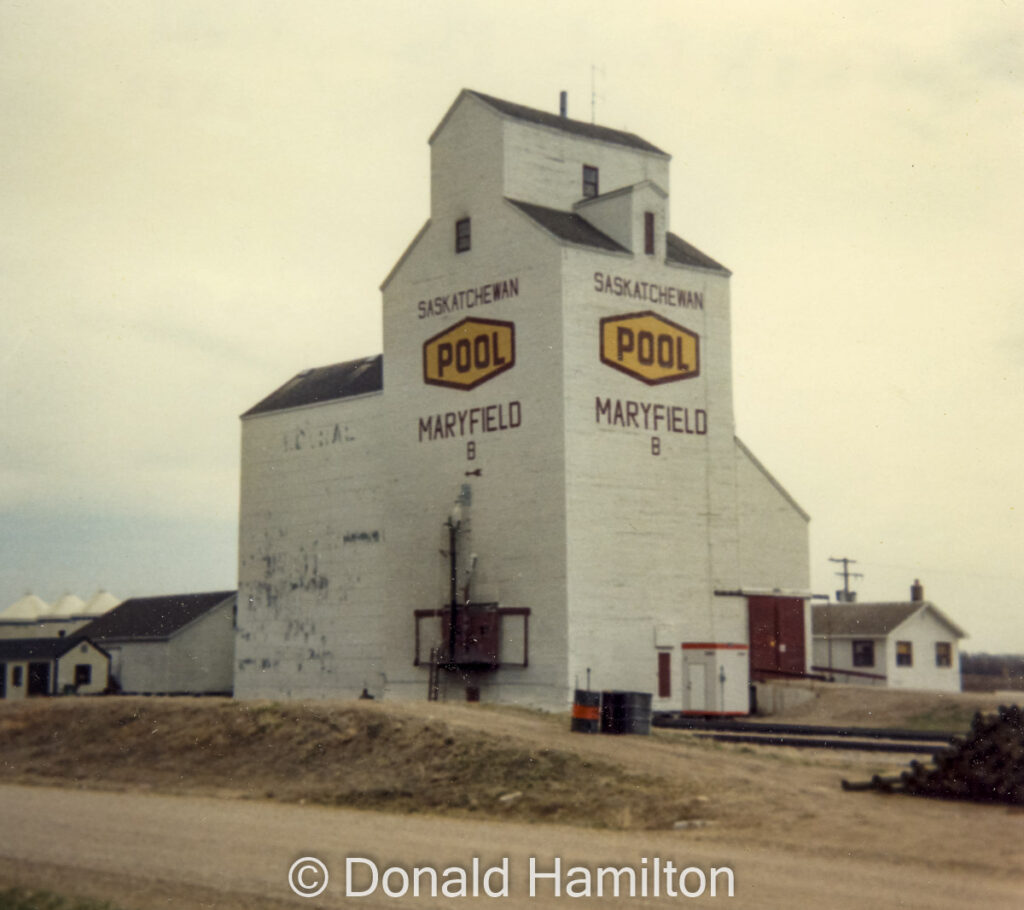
563	104
917	591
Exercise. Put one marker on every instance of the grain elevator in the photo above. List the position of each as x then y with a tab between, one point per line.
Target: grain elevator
538	483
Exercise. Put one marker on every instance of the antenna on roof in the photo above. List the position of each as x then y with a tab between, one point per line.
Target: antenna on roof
594	70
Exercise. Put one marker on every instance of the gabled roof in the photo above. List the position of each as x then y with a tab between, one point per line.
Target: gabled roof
554	121
153	617
679	251
40	648
568	226
339	380
870	620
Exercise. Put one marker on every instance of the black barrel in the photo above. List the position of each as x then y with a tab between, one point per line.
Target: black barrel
626	712
586	712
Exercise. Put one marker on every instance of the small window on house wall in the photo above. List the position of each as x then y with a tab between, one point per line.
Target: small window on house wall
943	654
17	678
664	674
462	235
863	653
589	181
83	674
904	654
649	233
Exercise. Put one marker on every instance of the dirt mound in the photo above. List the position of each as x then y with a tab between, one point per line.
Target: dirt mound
348	754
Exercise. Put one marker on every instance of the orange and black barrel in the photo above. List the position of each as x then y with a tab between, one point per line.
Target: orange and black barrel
586	712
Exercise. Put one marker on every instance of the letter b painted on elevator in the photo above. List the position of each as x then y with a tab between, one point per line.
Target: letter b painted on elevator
650	348
469	353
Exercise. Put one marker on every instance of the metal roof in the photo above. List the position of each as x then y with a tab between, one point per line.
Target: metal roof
153	617
565	124
576	229
569	226
679	251
329	383
870	620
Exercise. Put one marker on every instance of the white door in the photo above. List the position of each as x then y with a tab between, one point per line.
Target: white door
696	686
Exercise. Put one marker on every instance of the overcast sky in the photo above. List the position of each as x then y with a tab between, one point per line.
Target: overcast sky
198	200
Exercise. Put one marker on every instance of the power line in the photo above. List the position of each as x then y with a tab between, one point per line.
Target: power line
944	571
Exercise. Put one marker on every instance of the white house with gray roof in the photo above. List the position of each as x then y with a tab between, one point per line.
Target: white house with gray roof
908	645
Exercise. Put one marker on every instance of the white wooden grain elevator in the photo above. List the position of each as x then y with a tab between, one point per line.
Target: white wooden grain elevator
545	448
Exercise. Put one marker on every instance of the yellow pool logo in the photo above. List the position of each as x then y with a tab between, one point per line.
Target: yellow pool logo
469	353
648	347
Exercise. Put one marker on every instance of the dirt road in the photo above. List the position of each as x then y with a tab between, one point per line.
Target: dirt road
148	851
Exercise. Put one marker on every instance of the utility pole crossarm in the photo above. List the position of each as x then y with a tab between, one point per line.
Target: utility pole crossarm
847	595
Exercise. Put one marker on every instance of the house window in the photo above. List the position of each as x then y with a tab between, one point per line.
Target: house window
943	654
904	654
589	181
83	674
863	653
649	233
462	235
17	678
664	674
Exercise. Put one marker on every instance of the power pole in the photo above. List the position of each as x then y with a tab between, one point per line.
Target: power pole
846	595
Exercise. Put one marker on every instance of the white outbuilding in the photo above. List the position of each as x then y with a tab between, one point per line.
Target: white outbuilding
179	644
538	486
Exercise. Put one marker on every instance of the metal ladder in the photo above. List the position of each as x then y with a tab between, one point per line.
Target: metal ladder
434	680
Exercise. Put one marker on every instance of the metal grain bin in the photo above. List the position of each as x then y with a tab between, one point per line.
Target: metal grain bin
626	712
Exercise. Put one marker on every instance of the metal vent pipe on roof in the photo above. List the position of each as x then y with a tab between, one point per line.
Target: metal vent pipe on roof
563	104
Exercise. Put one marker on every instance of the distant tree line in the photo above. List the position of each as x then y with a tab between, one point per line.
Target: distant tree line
988	672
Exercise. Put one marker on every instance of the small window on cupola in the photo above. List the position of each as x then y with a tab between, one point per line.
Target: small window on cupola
589	181
462	235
